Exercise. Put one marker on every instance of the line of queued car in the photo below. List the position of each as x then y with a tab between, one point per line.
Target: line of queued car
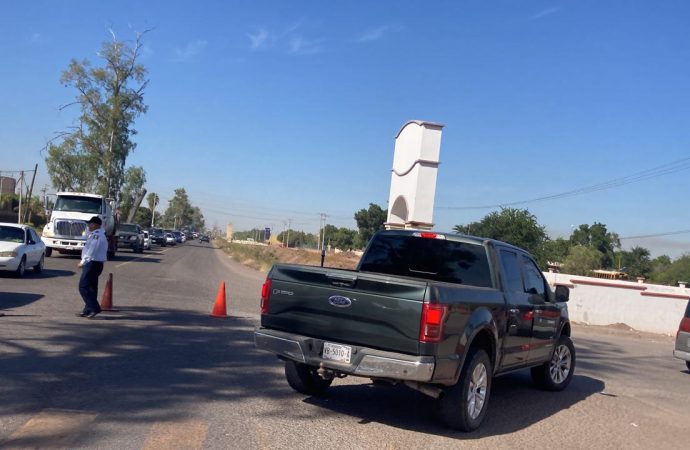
21	247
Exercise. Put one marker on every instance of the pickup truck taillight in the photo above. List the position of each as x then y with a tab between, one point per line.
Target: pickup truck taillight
265	292
431	325
684	325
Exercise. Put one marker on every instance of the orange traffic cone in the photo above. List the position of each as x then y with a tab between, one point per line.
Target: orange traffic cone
107	300
219	309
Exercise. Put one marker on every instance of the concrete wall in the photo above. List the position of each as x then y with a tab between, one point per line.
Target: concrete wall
644	307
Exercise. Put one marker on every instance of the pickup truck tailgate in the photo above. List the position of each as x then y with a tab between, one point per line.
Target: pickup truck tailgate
372	310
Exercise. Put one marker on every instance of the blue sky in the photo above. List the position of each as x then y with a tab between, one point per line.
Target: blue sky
276	110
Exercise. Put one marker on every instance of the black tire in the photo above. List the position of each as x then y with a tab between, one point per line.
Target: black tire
304	379
464	405
49	252
687	364
21	269
556	374
38	268
110	255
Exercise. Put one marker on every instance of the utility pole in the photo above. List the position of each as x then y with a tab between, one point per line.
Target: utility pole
31	191
45	198
21	190
323	236
287	241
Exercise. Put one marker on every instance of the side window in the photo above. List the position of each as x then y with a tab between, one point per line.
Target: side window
34	236
511	272
532	277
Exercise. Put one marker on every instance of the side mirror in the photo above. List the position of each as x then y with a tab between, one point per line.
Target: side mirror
562	293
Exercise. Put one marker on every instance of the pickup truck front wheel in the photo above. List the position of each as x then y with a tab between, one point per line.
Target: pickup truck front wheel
304	379
556	374
464	405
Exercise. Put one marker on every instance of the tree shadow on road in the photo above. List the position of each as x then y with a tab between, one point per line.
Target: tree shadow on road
141	364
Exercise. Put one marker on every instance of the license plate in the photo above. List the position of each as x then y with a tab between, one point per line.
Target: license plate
336	352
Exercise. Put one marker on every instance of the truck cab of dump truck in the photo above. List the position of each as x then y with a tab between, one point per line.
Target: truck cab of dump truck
66	230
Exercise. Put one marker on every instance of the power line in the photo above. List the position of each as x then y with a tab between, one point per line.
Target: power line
664	169
667	233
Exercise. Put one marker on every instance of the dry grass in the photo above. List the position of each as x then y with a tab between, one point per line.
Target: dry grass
261	257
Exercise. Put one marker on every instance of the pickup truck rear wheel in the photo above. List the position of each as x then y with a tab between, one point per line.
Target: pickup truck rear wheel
464	405
555	375
304	379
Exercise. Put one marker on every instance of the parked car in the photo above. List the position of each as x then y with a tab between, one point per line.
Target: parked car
178	236
147	240
170	239
157	236
130	235
20	247
682	350
204	238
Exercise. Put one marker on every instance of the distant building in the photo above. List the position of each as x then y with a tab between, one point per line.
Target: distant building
229	232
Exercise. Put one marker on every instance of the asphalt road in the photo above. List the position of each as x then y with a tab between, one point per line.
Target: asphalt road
161	373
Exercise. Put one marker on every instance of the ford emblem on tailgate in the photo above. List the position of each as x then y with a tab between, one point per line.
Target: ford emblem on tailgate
339	301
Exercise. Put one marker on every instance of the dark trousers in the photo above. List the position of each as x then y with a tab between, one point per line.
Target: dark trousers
88	286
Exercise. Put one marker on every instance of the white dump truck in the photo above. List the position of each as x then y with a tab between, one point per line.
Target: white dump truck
66	230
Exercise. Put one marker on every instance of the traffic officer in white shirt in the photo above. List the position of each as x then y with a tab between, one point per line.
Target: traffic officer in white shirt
93	255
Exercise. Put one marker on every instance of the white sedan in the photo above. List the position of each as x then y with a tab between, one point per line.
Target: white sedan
20	247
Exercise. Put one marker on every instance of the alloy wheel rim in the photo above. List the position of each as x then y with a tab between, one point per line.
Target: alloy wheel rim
477	391
561	362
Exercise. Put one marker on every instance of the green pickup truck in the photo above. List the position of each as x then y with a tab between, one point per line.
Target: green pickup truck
441	313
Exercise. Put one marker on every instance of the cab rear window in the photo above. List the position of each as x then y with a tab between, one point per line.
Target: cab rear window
432	259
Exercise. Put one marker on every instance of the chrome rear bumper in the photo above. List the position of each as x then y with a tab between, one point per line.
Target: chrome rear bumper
366	362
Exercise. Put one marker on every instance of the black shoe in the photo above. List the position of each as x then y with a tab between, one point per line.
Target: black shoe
82	314
92	315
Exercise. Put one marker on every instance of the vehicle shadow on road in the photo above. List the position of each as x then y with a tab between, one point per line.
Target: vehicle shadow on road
142	362
54	273
139	257
515	403
11	300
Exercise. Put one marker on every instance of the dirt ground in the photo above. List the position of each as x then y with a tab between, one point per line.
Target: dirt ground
344	260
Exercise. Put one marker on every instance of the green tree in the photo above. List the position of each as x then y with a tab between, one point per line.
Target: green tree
635	262
369	221
581	260
298	239
341	238
181	214
515	226
660	265
92	156
197	221
556	250
599	238
142	217
133	191
678	270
